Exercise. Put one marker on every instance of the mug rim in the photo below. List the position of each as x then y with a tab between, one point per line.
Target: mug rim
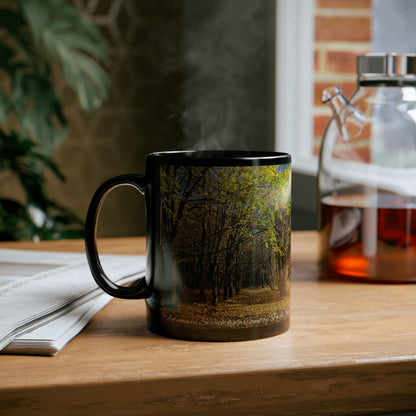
221	157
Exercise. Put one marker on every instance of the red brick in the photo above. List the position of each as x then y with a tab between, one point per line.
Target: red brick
319	125
316	60
344	28
342	62
344	4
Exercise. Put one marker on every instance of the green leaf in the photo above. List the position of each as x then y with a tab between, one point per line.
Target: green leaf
38	109
13	221
33	35
6	55
11	22
4	107
17	44
59	30
88	79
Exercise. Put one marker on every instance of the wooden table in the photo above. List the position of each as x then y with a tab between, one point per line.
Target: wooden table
351	349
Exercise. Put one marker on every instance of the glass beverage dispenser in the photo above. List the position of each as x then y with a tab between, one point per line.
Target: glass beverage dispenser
367	174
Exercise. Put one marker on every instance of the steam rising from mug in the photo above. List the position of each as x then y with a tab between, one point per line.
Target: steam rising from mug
228	89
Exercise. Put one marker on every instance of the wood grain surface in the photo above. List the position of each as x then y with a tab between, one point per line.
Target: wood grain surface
351	349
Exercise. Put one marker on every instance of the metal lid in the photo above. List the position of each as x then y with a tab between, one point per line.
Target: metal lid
386	66
409	64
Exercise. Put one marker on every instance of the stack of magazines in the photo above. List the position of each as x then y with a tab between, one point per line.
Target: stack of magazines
46	298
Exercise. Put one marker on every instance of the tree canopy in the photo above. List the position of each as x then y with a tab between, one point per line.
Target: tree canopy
226	228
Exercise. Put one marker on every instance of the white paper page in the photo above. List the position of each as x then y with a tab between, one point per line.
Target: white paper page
59	279
56	330
51	337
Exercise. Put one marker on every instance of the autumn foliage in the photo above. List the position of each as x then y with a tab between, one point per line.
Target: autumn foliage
225	238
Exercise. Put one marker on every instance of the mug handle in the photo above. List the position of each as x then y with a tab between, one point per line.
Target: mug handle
140	289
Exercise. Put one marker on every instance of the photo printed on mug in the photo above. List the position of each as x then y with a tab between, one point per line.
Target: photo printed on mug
225	246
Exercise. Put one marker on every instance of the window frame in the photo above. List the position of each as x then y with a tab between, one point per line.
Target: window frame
294	83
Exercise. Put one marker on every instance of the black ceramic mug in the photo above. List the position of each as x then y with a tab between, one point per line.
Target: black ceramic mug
218	243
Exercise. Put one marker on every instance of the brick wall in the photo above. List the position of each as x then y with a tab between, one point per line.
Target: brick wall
342	32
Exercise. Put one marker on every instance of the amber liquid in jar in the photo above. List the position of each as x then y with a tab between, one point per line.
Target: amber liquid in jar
370	238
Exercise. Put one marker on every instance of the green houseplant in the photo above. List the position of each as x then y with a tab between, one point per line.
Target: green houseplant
37	38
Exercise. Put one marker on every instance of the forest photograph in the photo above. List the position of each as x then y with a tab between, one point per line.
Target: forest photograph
225	239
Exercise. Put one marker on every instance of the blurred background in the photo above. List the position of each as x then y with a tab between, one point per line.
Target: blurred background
187	74
184	74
